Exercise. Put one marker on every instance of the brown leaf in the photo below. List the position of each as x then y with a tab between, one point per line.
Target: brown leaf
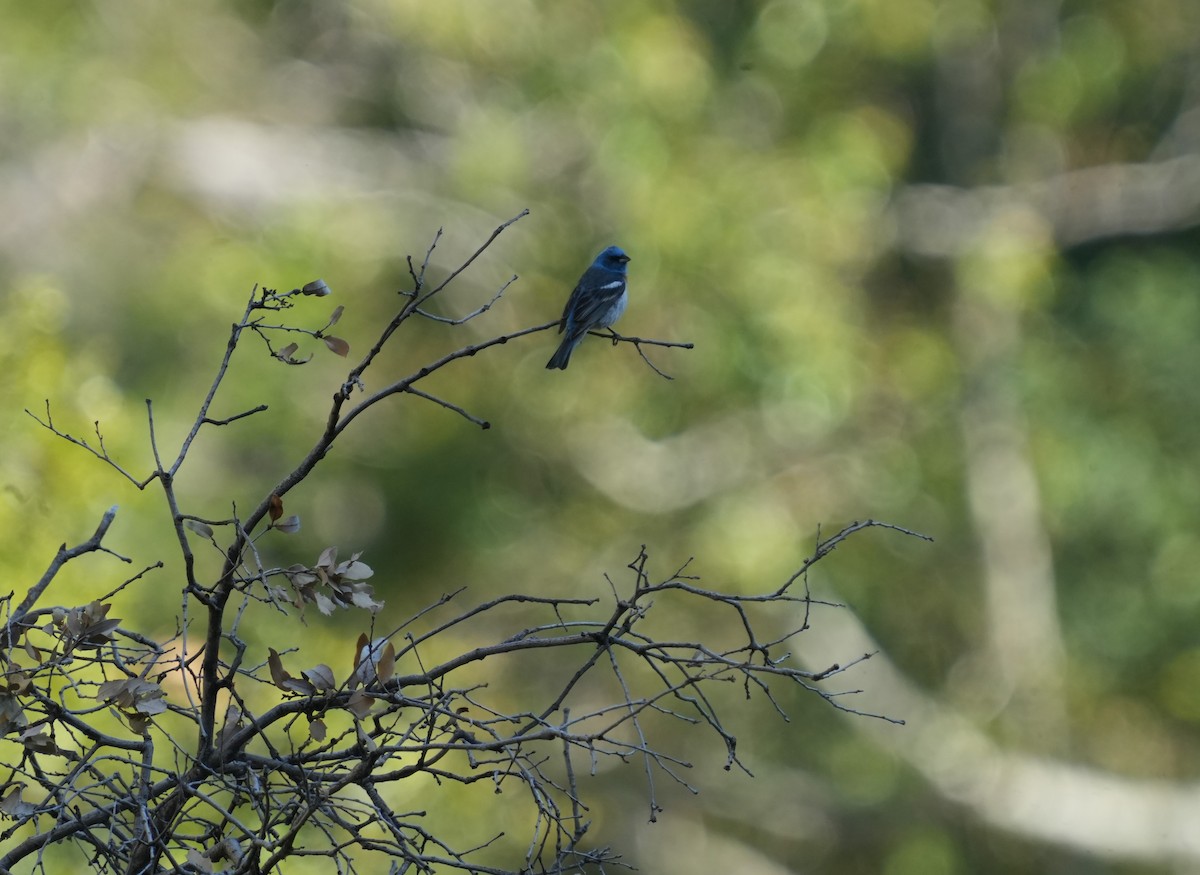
100	630
336	344
359	704
136	697
16	680
357	678
367	662
275	507
298	685
39	741
118	692
233	722
12	715
278	675
387	663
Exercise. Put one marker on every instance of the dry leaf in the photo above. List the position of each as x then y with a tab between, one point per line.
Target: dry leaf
199	861
321	677
289	526
298	685
278	675
12	805
359	704
387	663
202	529
355	570
336	344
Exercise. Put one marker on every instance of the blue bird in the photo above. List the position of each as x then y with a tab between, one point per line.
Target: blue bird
598	301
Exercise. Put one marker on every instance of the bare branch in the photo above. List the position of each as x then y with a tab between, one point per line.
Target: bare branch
463	319
100	452
482	423
62	557
290	757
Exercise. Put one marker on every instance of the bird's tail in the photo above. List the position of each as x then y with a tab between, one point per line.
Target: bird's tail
562	355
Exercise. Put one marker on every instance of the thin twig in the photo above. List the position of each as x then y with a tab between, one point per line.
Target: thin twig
62	557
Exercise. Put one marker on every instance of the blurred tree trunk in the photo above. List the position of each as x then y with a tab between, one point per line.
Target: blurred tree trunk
1024	649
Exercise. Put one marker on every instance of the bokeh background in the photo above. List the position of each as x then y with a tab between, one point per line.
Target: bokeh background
939	262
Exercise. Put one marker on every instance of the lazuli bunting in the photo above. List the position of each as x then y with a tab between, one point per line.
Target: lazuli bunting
598	301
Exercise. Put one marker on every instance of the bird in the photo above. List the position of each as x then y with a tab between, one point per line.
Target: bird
598	301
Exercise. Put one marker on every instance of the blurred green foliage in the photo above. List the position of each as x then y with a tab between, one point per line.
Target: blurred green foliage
161	159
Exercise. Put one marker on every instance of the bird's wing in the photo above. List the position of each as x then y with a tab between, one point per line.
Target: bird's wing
567	310
604	289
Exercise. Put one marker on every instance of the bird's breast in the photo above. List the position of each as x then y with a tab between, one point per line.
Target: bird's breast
613	313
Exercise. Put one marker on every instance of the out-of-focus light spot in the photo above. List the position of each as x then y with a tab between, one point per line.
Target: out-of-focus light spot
1173	571
1096	48
634	147
923	365
1011	262
791	32
668	60
39	305
864	776
751	112
664	475
1033	152
751	537
927	853
349	511
960	23
490	151
1178	684
1049	89
99	397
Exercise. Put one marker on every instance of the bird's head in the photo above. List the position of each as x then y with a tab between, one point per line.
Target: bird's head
613	258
